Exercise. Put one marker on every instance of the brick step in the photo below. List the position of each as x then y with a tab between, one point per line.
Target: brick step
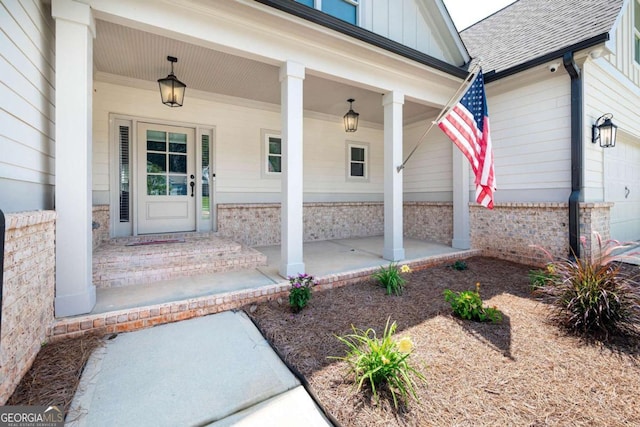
178	251
115	275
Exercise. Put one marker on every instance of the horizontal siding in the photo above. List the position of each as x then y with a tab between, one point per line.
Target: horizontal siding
531	135
429	170
238	145
27	103
603	93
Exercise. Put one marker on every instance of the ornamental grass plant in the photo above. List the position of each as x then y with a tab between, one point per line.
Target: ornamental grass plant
593	296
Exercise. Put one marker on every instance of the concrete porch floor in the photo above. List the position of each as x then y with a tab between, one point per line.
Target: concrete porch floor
322	258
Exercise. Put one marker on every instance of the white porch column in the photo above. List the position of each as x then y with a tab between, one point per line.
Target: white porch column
75	30
461	230
291	79
393	239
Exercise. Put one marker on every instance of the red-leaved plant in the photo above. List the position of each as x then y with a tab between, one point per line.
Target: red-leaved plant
596	296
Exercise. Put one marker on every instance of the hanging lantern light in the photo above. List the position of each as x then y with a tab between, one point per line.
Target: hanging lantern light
172	89
351	118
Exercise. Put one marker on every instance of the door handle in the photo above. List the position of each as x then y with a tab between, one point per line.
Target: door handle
193	185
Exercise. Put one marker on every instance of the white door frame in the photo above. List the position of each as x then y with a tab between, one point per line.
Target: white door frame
118	229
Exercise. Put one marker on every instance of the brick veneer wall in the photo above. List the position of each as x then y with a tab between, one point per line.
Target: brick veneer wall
100	228
429	221
509	229
28	293
259	224
594	218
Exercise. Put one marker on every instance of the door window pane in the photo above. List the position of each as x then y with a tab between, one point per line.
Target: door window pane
177	163
156	185
177	185
156	140
156	163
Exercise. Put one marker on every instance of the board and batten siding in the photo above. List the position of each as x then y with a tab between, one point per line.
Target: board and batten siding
428	173
622	57
27	105
403	21
238	146
531	135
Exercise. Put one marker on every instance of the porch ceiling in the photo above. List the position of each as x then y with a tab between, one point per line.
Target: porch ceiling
135	54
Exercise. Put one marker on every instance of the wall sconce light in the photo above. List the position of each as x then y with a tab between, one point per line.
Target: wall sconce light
351	118
172	89
604	131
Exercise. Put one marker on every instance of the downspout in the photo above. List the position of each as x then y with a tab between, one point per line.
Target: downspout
576	153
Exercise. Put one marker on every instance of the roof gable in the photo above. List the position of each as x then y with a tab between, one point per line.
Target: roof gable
529	29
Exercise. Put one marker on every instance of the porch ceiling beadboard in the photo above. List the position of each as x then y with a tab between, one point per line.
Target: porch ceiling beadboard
141	56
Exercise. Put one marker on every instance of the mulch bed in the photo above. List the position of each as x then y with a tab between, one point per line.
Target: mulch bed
55	373
523	371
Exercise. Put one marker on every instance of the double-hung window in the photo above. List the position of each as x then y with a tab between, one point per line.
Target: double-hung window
636	31
347	10
272	154
357	161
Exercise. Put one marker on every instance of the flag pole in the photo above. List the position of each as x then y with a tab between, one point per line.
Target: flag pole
452	100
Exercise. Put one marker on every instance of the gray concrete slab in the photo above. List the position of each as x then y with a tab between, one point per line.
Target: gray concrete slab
193	372
292	408
119	298
337	256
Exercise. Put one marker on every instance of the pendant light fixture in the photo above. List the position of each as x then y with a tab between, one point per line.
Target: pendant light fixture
351	118
172	89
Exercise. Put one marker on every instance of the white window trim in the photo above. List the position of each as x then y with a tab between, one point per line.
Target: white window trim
265	134
635	31
367	163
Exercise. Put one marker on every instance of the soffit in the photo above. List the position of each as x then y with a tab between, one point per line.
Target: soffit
140	55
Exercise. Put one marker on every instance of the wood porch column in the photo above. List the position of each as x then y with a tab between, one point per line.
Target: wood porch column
461	227
75	30
393	238
291	86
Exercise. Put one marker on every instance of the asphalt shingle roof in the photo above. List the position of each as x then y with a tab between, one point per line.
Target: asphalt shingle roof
528	29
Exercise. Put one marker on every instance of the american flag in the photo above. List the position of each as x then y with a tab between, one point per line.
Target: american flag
467	124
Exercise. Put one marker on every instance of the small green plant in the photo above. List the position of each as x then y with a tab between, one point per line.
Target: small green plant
382	361
541	278
592	296
459	265
300	291
468	305
391	279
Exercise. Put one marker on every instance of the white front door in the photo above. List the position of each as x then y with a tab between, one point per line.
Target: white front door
166	179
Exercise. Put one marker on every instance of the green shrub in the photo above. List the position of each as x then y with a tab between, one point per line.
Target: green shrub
300	291
593	296
382	361
468	305
459	265
391	279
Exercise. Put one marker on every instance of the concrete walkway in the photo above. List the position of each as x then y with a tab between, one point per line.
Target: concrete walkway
215	370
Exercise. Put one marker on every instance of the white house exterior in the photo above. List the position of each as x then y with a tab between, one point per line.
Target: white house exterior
261	137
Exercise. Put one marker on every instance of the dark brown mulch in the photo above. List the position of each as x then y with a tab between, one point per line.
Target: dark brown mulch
523	371
55	373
